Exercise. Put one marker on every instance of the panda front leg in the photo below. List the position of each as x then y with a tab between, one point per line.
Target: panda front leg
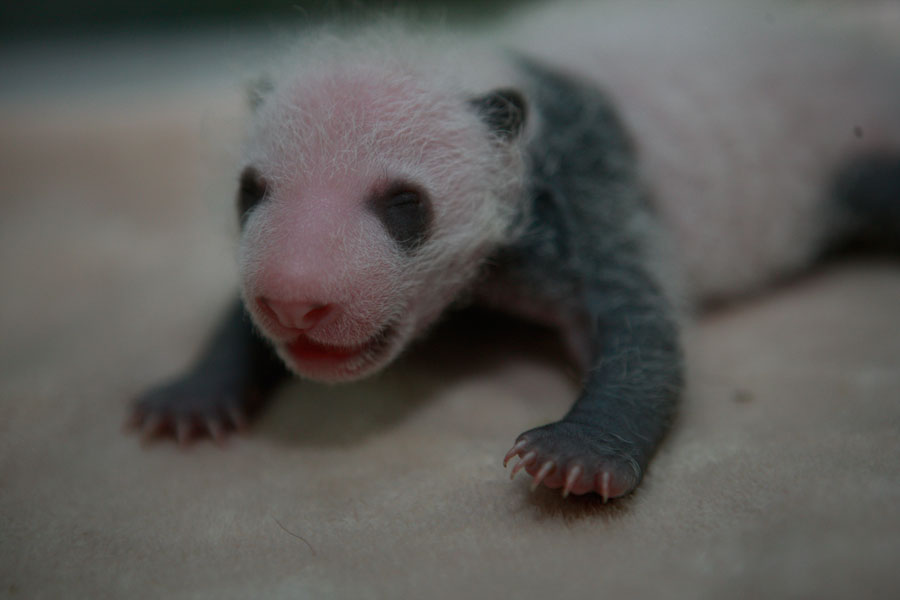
233	376
606	440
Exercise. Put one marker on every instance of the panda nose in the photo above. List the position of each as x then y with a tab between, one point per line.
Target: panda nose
297	315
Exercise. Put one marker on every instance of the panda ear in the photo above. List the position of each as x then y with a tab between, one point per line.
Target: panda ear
503	110
258	90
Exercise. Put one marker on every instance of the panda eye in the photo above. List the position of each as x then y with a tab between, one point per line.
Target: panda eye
251	191
405	213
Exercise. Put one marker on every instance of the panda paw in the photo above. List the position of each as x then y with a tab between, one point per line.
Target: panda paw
577	458
190	408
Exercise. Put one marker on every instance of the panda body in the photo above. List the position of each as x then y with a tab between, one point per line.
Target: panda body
594	168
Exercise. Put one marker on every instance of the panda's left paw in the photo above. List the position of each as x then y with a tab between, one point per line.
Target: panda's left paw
578	458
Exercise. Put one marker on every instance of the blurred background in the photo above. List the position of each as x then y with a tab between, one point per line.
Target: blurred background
68	15
72	42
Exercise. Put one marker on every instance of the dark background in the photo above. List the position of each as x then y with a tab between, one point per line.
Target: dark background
25	19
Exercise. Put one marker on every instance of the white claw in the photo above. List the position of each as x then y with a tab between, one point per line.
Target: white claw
604	486
526	460
237	419
215	431
182	432
513	451
150	427
572	476
545	470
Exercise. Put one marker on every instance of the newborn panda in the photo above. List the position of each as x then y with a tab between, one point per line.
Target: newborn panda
596	169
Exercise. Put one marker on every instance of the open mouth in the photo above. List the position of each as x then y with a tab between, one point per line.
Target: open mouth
305	350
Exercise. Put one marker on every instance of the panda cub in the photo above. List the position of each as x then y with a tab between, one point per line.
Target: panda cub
593	168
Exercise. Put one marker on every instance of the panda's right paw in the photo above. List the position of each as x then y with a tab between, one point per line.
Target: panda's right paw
190	408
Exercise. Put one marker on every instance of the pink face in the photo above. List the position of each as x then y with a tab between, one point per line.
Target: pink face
320	283
370	207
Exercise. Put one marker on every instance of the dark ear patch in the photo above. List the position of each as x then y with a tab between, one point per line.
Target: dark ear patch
504	110
252	190
405	212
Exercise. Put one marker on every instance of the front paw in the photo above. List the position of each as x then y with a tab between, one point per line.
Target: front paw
578	458
190	407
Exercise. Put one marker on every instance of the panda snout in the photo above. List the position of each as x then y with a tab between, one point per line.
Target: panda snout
302	316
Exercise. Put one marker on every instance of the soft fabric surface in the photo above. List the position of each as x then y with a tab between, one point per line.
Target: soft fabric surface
781	477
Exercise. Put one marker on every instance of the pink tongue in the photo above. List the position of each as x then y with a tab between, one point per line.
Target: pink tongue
305	349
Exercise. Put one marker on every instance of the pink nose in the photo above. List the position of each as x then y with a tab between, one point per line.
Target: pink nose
297	315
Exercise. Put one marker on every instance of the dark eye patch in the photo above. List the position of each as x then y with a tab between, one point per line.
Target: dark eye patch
405	212
251	191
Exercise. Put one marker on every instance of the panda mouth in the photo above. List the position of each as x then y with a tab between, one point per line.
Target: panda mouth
305	350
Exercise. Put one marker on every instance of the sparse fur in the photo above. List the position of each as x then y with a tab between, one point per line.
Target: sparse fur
602	168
